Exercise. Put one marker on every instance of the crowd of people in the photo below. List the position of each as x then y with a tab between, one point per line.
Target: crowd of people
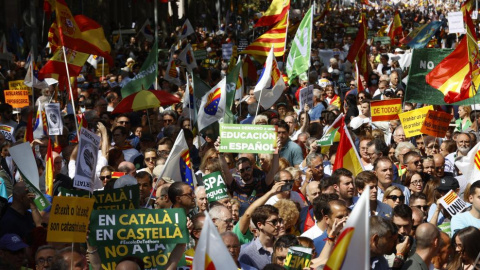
258	222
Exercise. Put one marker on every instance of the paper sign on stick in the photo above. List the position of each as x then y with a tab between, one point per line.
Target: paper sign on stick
86	160
385	110
412	121
436	123
453	203
260	139
17	98
54	119
69	219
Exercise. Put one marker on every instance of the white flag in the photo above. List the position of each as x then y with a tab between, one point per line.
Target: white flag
31	78
211	252
270	86
172	74
212	107
187	29
469	165
147	31
187	57
239	89
189	102
93	60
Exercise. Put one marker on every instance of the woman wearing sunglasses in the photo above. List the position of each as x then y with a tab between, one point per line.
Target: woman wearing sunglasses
393	196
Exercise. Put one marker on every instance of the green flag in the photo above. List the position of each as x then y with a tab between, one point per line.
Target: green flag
298	60
232	78
146	77
200	88
418	91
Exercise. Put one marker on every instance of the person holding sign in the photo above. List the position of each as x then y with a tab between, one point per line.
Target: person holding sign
472	217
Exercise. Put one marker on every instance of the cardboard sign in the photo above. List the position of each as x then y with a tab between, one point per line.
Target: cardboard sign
455	22
86	160
452	203
412	121
260	139
385	110
7	131
102	69
298	258
120	198
17	98
19	85
143	233
215	187
306	97
436	123
54	119
69	219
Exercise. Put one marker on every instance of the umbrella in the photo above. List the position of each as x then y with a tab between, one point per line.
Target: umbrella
145	99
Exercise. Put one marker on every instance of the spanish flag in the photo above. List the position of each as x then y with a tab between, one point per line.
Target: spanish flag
358	51
355	234
395	27
467	7
275	37
274	13
360	86
81	33
211	252
49	170
56	65
456	73
347	156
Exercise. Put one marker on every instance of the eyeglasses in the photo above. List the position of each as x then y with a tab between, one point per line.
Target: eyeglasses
416	162
422	207
352	84
190	195
245	170
42	261
275	222
395	197
228	221
417	182
123	122
149	159
105	177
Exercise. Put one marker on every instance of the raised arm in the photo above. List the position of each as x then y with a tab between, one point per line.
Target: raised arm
226	171
275	163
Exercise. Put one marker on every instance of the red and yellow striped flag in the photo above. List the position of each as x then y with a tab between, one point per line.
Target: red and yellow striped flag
49	170
274	13
450	197
395	28
275	37
55	67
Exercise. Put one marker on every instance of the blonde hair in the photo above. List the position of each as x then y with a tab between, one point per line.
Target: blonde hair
288	211
389	190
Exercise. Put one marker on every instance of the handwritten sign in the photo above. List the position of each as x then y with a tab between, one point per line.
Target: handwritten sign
17	98
436	123
412	121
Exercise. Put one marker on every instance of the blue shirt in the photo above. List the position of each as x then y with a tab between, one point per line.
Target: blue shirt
255	255
248	120
463	220
292	153
319	242
316	112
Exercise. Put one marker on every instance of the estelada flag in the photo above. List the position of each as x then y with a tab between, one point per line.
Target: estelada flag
274	13
395	28
275	37
457	75
347	156
81	33
358	50
49	170
211	253
56	64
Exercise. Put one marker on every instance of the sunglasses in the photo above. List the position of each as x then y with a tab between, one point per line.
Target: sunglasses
150	159
105	177
275	222
395	197
245	170
422	207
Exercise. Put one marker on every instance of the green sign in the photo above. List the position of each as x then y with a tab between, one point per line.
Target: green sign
40	200
200	54
298	258
143	233
120	198
260	139
329	138
383	40
146	76
215	187
418	91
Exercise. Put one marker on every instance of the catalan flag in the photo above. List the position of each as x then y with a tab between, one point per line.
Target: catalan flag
211	253
358	50
395	28
325	11
275	36
467	6
450	197
274	13
455	74
347	156
49	170
81	33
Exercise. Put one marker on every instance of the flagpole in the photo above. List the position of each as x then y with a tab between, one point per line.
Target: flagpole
103	65
155	14
31	73
71	92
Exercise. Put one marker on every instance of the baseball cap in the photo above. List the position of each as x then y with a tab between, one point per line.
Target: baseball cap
447	183
12	242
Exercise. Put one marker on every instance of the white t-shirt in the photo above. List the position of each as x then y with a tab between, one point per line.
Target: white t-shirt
313	232
293	196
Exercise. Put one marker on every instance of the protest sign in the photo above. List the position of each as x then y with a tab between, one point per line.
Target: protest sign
306	97
298	258
383	40
19	85
455	22
69	219
22	154
242	44
143	233
412	121
86	160
260	139
54	119
102	69
17	98
120	198
452	203
329	138
7	131
385	110
436	123
200	54
215	187
227	50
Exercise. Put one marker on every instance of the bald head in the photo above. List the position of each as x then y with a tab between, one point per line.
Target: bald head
427	236
418	216
438	159
127	265
127	167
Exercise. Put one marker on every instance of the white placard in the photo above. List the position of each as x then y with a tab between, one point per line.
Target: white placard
453	203
306	97
54	119
455	23
86	160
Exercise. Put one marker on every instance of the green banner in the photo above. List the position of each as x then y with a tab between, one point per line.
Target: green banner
146	76
40	201
143	233
215	187
260	139
232	78
418	91
383	40
120	198
298	60
298	258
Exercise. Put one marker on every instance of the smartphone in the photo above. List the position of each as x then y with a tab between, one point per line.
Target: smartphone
288	186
